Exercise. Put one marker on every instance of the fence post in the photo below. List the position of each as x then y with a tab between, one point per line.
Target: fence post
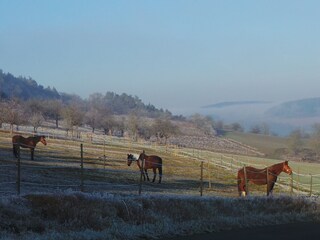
104	153
246	180
298	182
18	169
311	185
201	179
141	174
81	166
291	183
209	173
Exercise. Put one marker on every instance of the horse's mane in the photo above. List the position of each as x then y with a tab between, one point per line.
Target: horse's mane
135	156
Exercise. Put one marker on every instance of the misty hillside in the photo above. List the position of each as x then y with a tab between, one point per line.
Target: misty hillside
309	107
303	108
235	103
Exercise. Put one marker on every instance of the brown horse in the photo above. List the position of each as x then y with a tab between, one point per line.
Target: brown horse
147	162
29	142
261	176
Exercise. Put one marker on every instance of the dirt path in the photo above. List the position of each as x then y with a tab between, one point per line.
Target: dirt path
294	231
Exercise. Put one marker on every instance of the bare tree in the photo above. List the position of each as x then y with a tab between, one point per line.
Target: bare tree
204	123
163	128
315	139
14	113
236	127
93	118
133	125
36	120
73	117
295	141
108	124
53	110
256	129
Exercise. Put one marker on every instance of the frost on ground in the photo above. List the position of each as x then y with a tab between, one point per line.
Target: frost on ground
74	215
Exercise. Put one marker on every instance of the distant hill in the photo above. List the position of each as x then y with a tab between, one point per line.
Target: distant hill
27	88
24	88
235	103
303	108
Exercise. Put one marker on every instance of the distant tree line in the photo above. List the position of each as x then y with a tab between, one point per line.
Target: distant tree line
23	88
24	102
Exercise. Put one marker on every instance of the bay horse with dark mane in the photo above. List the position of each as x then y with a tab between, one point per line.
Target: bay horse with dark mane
147	162
266	176
29	142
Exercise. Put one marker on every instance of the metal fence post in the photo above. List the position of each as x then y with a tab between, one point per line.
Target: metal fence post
141	174
311	185
209	173
291	185
18	170
81	166
201	179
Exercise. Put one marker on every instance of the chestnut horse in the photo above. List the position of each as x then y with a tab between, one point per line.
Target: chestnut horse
261	176
147	162
29	142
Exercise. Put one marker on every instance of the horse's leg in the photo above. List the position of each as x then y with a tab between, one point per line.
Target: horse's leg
160	174
142	172
32	153
272	183
154	174
146	171
241	187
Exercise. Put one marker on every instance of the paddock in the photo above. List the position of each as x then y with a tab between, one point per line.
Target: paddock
99	165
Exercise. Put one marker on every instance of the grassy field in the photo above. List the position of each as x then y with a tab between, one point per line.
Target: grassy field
265	144
57	166
51	205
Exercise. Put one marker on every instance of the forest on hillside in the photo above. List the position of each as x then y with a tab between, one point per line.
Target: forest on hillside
25	89
24	102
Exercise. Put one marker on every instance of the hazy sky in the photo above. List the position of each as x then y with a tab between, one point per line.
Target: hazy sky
170	53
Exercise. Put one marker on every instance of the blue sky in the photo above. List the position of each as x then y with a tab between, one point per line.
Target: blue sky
173	54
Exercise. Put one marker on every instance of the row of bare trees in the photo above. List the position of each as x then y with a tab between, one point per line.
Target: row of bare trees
93	113
305	144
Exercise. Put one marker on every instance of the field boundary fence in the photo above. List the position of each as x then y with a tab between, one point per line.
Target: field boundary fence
89	166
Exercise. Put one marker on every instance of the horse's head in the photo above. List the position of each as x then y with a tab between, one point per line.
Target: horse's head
130	158
43	140
286	168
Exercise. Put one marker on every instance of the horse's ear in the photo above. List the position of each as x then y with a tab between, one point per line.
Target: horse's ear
286	162
143	152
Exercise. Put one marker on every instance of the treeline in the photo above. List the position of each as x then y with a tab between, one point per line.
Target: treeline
24	89
24	102
93	113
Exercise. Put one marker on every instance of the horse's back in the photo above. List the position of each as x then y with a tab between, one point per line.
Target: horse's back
153	161
249	171
157	158
16	138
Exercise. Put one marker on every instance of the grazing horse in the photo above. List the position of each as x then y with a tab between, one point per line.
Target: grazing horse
29	142
147	162
261	176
